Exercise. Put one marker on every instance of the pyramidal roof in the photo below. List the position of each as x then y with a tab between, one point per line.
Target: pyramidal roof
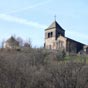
54	25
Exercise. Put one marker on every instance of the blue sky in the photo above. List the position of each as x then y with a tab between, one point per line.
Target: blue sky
29	18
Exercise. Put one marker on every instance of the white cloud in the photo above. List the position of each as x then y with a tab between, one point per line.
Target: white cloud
28	7
10	18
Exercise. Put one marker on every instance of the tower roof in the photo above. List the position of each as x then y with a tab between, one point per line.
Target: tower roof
54	25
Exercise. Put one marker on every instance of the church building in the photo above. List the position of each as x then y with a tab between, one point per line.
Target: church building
55	39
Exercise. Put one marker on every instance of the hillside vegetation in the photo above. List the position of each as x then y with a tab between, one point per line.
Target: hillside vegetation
40	68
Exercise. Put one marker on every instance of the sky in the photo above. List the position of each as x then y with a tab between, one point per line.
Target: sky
29	18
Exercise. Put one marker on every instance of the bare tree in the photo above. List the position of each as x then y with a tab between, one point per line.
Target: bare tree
20	40
32	69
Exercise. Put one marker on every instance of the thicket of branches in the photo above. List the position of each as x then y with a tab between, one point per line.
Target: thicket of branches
40	68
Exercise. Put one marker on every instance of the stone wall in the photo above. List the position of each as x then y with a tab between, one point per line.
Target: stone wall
50	43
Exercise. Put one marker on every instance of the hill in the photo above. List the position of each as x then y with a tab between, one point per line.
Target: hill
40	68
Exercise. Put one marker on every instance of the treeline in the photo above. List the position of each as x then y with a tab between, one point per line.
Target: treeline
40	68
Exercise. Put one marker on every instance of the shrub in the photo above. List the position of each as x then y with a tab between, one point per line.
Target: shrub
37	68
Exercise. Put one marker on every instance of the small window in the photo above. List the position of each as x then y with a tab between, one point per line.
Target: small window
50	34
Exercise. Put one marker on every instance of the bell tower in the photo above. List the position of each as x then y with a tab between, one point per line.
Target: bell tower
51	35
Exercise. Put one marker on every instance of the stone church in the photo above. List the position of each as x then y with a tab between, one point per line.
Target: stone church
55	39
